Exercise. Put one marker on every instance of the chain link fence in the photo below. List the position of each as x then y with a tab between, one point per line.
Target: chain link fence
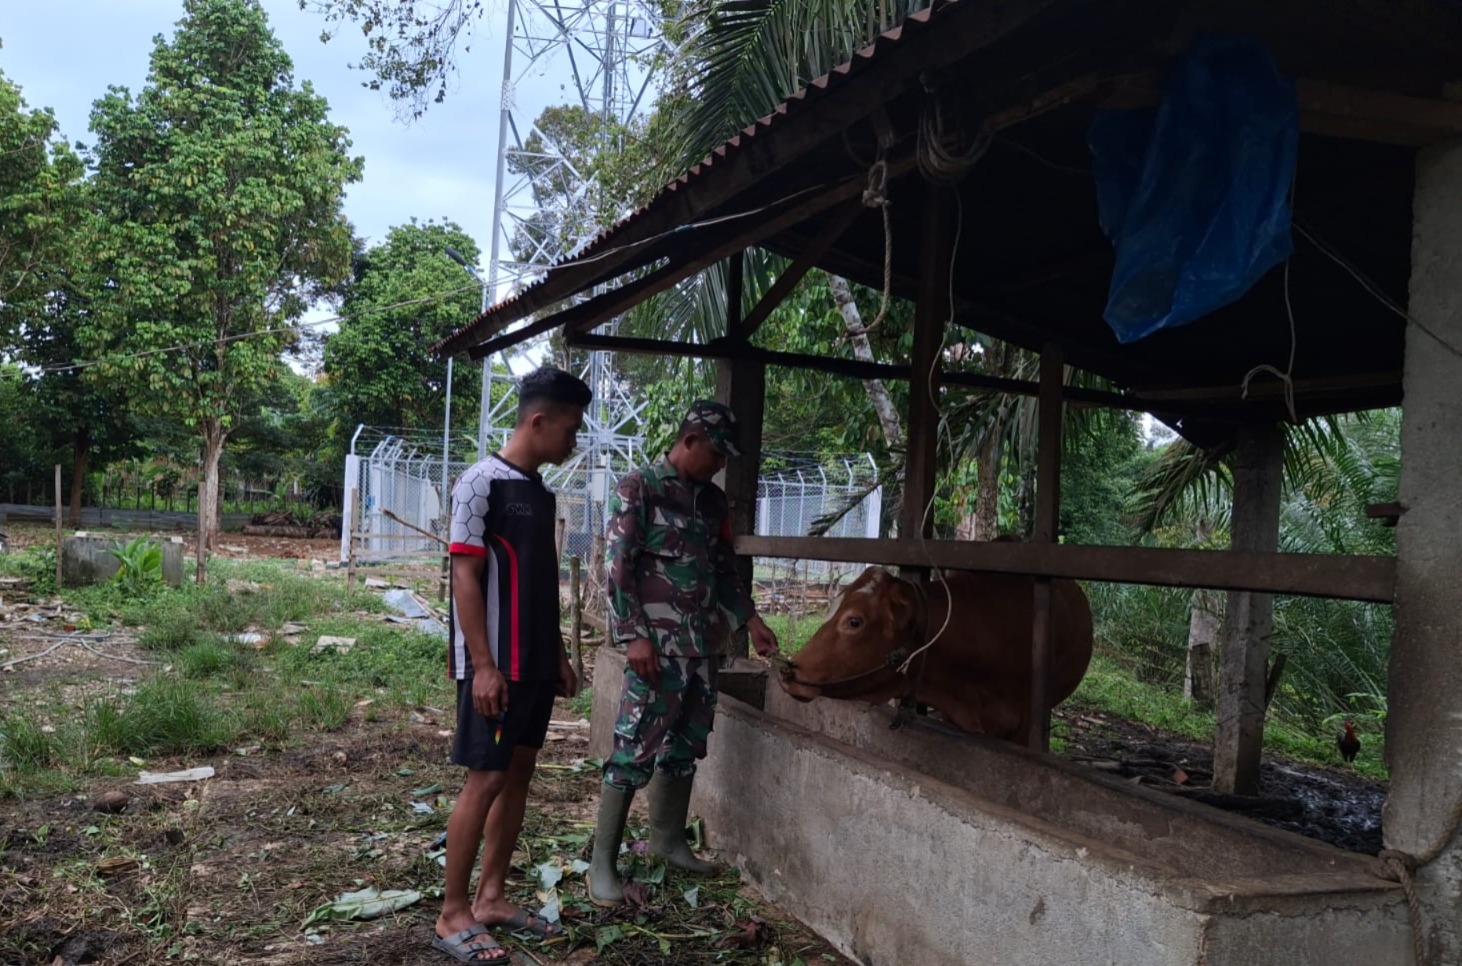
402	499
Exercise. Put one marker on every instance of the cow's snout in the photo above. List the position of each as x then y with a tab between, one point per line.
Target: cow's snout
788	680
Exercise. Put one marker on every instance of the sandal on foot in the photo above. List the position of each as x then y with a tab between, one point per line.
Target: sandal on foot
465	947
525	921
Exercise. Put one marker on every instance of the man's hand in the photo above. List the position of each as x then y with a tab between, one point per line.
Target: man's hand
568	681
762	637
644	660
489	692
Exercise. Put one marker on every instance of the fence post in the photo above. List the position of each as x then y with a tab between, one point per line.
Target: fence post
576	647
350	542
58	527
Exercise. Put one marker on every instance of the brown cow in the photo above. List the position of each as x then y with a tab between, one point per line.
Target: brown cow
978	670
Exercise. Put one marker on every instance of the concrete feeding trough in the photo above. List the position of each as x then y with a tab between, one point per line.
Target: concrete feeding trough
926	845
85	559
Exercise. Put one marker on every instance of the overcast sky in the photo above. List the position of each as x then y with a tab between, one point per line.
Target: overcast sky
64	54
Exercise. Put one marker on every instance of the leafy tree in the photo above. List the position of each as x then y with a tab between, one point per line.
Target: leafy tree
220	187
39	208
83	419
407	294
411	45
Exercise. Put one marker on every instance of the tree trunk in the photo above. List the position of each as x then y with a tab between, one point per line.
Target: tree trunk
1204	621
81	445
888	414
986	522
214	436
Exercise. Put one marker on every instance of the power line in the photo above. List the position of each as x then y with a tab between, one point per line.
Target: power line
426	300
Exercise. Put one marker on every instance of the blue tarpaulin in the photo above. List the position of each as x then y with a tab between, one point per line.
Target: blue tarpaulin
1194	194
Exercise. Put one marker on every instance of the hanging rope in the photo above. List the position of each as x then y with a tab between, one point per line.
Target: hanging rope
938	162
876	196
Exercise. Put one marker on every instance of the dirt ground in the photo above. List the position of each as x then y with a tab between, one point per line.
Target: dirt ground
229	545
1330	804
230	869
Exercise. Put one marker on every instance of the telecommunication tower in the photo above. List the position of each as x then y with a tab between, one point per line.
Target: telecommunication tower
603	55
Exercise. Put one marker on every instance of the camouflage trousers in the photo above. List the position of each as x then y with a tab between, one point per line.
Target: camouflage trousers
665	728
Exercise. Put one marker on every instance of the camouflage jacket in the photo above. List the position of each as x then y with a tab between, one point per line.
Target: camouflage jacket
669	559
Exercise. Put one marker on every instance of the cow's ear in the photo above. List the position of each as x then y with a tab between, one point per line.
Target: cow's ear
902	605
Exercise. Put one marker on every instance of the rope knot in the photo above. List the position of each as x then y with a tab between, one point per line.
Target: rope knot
876	194
1397	865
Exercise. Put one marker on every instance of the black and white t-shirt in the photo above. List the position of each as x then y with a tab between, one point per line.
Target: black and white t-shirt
507	516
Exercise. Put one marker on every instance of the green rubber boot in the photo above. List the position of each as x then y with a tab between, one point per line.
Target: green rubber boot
669	805
605	889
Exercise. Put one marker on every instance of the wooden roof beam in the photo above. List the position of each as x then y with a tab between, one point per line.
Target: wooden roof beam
1333	110
601	308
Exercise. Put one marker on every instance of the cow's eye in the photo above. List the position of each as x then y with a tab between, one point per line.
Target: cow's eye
854	623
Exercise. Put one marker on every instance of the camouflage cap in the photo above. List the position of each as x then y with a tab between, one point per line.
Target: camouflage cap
716	423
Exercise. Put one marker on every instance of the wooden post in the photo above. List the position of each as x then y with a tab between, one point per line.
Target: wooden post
931	315
1249	619
1048	507
350	540
741	384
576	616
58	527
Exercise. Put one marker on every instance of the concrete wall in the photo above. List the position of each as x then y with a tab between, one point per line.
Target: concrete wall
85	559
931	847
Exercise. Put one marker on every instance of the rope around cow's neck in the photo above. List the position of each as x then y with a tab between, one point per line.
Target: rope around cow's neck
924	601
899	660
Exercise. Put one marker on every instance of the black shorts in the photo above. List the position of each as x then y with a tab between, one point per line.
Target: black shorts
480	744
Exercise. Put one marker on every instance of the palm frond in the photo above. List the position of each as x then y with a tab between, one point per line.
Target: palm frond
1185	479
743	57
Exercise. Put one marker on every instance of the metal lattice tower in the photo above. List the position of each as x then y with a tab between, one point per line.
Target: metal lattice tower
603	54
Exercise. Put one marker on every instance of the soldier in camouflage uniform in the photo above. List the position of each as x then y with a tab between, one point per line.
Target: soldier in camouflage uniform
671	582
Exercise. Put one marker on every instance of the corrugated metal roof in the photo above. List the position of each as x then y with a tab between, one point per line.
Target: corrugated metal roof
640	226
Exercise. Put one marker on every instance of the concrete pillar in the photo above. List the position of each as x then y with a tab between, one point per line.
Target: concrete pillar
1424	723
1249	618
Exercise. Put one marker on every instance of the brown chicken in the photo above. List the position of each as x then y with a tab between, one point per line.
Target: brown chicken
1348	742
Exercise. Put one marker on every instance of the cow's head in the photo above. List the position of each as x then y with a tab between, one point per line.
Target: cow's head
849	655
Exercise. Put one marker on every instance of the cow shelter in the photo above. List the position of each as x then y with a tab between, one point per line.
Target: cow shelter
1170	195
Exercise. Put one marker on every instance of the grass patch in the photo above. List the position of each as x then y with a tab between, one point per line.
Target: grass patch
1111	689
793	633
24	747
174	629
167	715
326	707
582	704
208	659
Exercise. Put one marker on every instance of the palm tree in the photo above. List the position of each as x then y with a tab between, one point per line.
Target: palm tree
1333	469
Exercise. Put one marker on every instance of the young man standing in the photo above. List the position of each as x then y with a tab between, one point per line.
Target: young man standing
670	570
506	656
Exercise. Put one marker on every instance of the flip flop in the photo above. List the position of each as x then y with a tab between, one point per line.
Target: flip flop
524	921
466	948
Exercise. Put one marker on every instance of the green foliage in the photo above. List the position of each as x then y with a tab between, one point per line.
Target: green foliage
40	178
218	191
1109	687
411	46
36	564
140	565
742	58
406	294
1337	651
